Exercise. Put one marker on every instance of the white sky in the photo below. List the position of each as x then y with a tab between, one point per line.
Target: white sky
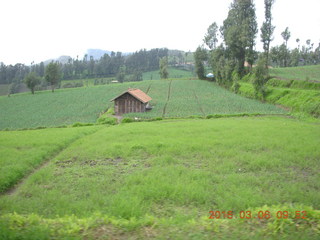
36	30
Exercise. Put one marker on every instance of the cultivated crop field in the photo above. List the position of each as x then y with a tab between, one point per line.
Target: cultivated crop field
173	73
63	107
297	73
159	180
184	98
171	98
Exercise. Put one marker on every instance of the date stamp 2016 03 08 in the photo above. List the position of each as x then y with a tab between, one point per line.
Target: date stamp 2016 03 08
259	215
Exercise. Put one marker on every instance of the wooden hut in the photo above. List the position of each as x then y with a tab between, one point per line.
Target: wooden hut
132	100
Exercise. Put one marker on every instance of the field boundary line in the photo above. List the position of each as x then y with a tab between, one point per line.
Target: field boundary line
149	88
13	189
168	98
201	109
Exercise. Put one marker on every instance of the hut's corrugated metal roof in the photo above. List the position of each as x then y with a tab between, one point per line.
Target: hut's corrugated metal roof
137	93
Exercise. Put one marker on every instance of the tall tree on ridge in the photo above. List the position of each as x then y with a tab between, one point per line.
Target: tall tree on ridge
52	74
32	80
163	64
286	36
267	29
211	37
239	31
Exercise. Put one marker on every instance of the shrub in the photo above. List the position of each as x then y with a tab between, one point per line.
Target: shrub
79	124
127	120
107	120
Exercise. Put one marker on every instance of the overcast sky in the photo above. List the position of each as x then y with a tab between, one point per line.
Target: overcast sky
36	30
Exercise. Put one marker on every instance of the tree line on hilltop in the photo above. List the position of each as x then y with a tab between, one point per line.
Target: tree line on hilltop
235	56
113	65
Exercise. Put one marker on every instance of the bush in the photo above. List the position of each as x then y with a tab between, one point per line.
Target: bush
107	120
72	85
246	78
111	111
79	124
127	120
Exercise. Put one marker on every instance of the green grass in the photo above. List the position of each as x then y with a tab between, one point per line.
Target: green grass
161	179
87	82
4	89
67	106
173	73
297	73
23	151
300	101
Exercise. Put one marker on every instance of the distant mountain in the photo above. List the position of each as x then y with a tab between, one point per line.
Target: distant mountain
97	53
62	59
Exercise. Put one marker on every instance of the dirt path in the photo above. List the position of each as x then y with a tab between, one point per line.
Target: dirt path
12	190
168	98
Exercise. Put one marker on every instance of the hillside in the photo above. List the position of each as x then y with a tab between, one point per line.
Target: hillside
67	106
310	73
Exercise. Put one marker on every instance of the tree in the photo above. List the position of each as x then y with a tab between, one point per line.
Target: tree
267	29
239	31
163	68
211	37
32	80
200	56
121	74
260	77
52	74
286	36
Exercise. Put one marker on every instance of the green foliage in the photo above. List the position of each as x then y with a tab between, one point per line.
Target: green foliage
305	101
79	124
127	120
235	87
121	74
267	29
107	117
210	39
260	77
163	65
239	32
200	56
53	74
72	85
32	80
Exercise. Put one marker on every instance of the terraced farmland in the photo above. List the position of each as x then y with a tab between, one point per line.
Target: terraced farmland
171	98
184	98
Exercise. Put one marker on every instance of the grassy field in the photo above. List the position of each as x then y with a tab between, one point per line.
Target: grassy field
33	147
297	73
4	89
160	180
173	73
298	100
66	106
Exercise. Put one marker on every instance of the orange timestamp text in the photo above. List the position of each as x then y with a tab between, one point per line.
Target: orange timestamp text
257	215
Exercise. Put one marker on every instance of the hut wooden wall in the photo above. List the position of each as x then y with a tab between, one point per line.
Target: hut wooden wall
127	103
